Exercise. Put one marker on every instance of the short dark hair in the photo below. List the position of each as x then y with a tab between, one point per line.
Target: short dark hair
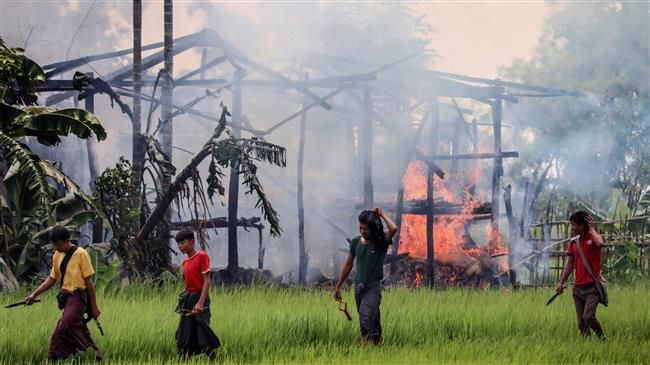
580	217
184	234
373	221
59	233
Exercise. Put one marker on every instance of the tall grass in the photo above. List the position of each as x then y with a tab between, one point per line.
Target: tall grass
274	325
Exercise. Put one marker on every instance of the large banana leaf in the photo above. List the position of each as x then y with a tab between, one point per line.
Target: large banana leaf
106	268
9	115
48	124
19	76
32	70
17	153
72	187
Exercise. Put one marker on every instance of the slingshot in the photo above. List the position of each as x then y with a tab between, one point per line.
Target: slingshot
343	307
185	312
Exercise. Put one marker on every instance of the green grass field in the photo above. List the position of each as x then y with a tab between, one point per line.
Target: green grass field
273	325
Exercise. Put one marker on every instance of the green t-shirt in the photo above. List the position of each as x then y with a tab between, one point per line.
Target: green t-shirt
369	260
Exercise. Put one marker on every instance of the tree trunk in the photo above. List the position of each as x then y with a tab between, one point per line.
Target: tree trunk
303	259
366	142
158	213
233	188
166	130
138	145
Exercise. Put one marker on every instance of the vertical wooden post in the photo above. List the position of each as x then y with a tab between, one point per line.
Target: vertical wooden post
366	138
433	140
400	183
98	229
398	223
497	170
455	146
524	213
233	188
261	250
512	236
303	259
475	150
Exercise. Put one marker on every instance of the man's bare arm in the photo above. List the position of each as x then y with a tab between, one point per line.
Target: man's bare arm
390	225
568	268
345	272
46	285
204	293
92	296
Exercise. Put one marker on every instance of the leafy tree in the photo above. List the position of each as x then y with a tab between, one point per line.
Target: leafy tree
591	144
30	203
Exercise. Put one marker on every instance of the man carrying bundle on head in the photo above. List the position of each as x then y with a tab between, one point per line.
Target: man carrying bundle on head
194	335
72	265
369	250
585	253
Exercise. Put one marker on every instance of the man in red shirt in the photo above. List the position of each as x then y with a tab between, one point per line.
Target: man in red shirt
585	294
194	335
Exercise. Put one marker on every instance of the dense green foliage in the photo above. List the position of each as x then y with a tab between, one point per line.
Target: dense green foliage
600	141
279	325
29	203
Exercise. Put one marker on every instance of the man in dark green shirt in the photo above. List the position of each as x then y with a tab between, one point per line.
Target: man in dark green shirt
369	250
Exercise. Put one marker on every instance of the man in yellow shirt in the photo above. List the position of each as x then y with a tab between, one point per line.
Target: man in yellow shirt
71	265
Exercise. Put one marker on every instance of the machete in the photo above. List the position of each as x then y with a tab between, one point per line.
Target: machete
553	298
88	319
21	303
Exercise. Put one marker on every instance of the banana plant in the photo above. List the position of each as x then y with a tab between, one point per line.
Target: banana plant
29	202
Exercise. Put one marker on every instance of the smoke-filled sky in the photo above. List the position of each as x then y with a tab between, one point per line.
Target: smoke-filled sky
470	37
476	38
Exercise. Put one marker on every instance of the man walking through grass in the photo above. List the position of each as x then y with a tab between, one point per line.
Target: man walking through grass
585	293
194	335
70	264
369	250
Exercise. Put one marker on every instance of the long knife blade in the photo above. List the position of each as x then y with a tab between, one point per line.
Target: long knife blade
553	298
21	303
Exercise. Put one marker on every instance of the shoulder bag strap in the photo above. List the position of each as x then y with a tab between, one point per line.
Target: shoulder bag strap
584	261
64	263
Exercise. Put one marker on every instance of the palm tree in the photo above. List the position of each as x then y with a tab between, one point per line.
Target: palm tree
138	145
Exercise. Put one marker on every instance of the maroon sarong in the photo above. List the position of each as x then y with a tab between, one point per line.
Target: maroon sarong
71	333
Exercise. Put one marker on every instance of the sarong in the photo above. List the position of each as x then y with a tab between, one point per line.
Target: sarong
194	335
71	333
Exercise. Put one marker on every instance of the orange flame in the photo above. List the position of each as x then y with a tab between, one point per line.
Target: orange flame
449	231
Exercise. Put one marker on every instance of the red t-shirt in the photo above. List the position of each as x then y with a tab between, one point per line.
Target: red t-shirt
593	254
193	269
